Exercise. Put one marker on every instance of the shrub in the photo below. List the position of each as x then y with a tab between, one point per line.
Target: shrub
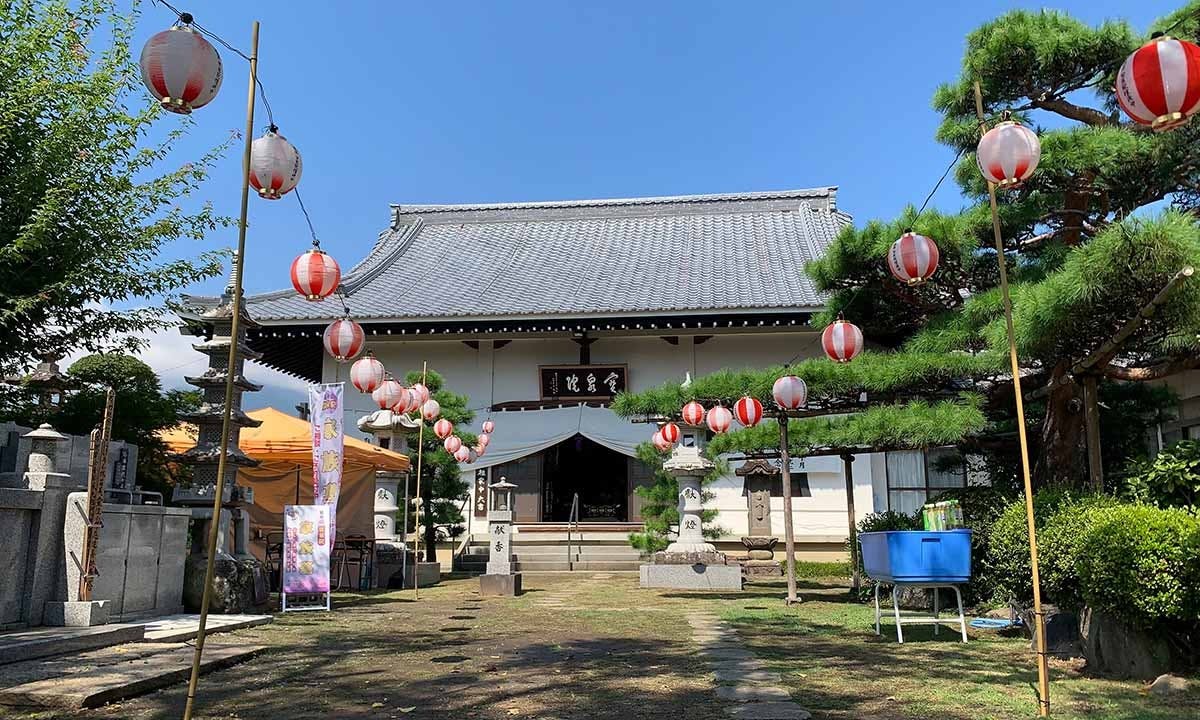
1171	479
1059	545
1141	564
1006	560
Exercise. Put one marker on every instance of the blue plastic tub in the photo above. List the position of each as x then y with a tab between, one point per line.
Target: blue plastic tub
917	556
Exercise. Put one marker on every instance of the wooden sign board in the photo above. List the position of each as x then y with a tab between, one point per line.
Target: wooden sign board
582	382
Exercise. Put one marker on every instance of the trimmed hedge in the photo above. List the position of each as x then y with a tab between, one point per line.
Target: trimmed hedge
1141	564
1138	563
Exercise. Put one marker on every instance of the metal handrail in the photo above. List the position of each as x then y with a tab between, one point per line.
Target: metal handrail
572	521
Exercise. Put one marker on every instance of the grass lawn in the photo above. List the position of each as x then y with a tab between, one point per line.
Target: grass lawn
596	646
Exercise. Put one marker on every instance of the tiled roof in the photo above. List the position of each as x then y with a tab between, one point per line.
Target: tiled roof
694	254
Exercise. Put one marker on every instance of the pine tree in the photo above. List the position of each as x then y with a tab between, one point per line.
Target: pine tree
443	490
1094	260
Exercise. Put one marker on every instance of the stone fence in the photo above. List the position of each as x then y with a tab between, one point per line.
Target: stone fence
140	556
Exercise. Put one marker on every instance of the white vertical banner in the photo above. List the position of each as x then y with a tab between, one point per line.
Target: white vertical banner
306	545
327	412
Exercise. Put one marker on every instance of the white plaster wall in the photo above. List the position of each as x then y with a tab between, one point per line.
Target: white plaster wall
510	374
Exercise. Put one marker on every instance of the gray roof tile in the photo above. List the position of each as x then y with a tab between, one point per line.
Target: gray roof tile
699	253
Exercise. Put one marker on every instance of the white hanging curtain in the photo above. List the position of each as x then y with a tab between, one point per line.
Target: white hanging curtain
524	432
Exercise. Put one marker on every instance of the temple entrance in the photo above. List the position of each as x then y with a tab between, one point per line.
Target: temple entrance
600	476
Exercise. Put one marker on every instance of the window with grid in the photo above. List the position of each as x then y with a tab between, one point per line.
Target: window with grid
914	477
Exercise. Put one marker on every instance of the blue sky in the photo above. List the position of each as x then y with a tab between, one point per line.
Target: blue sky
406	102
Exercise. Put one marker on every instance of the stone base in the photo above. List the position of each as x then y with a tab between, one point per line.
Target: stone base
500	585
428	573
239	586
692	577
76	614
762	568
710	557
1114	649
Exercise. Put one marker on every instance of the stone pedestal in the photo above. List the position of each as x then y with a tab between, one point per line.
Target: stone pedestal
500	585
690	563
76	613
761	560
239	586
500	578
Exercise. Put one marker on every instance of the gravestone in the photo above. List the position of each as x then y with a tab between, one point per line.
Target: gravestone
760	477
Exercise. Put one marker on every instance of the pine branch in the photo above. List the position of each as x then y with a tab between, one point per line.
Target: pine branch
1081	113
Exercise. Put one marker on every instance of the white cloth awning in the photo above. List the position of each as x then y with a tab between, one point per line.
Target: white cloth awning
523	432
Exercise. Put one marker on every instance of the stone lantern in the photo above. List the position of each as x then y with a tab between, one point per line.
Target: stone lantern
500	578
691	562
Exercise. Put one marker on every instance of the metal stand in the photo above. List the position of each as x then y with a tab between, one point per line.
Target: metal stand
300	608
936	620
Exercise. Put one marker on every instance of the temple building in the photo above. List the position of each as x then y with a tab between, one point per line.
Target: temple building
541	312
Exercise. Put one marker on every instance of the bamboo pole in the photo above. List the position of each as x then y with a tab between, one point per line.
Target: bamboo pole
417	515
1039	619
789	539
238	268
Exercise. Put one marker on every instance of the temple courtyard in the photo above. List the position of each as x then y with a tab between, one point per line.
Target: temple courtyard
594	645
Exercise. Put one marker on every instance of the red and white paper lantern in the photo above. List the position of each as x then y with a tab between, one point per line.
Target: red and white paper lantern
913	258
479	450
719	419
443	428
670	432
1008	154
693	413
484	439
790	392
842	341
366	373
275	165
452	443
488	427
660	443
387	394
748	411
344	339
412	400
1159	84
462	454
430	409
181	69
422	392
315	274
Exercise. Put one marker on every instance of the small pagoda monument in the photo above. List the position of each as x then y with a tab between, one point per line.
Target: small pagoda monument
240	581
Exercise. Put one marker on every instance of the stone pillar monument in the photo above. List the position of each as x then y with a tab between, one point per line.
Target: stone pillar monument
240	582
500	579
691	562
760	476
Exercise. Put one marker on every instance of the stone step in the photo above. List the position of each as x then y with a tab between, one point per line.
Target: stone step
183	627
96	677
20	645
550	565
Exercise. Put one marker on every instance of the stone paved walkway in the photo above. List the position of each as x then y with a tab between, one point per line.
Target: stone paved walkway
740	676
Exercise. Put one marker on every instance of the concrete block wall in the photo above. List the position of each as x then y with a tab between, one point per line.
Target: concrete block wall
139	559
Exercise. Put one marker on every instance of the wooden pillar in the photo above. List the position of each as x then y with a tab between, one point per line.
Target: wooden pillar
848	471
789	539
1091	411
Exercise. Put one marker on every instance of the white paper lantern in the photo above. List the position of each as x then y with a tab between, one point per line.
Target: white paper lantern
275	165
181	69
430	409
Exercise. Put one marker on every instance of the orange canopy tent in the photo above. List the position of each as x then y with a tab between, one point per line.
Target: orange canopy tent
283	446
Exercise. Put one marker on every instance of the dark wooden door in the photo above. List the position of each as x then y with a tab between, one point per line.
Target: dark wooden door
526	474
640	475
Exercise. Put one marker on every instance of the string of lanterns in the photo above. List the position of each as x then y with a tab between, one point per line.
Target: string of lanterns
1158	85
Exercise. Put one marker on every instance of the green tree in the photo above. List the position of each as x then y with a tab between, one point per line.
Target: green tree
141	411
1087	248
86	200
443	490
